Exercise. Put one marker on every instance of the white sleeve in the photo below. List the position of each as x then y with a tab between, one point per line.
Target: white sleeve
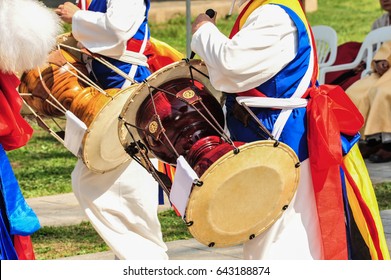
107	33
266	44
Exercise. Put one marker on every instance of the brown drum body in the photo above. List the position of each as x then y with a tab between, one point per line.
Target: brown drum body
183	124
61	87
58	84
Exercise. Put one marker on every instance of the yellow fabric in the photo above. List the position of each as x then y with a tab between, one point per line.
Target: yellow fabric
356	167
294	5
166	169
163	49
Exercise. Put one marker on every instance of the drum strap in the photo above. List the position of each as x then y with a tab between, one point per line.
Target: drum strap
134	66
271	102
134	58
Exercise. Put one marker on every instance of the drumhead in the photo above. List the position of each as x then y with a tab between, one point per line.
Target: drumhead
67	39
102	148
171	72
243	194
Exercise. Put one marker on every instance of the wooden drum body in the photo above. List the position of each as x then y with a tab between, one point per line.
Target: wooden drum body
58	87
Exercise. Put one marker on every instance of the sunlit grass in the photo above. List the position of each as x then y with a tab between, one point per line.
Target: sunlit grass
383	195
65	241
43	167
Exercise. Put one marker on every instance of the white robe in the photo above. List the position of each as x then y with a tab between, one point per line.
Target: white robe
256	53
107	33
122	206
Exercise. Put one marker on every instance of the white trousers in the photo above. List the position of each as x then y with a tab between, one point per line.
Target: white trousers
296	234
122	206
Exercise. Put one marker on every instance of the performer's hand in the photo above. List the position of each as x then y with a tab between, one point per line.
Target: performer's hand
381	66
66	11
202	19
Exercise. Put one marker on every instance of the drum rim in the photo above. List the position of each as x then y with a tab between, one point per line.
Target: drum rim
96	123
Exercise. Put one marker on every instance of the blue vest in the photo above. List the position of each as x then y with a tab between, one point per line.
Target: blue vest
282	85
108	78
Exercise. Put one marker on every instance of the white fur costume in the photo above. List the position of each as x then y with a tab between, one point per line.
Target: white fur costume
28	35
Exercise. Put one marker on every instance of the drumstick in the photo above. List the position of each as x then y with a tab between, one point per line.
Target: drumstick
211	13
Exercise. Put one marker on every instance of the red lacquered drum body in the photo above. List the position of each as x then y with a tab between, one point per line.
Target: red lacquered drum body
183	124
243	188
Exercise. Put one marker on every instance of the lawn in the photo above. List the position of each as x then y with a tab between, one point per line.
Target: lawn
43	167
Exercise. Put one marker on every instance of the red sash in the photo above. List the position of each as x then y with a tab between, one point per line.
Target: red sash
330	113
15	132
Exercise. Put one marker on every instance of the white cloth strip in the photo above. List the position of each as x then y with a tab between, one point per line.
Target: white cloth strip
74	133
133	58
301	89
83	4
182	185
271	102
133	68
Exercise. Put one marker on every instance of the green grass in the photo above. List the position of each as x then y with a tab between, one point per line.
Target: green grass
43	167
174	31
351	19
383	195
65	241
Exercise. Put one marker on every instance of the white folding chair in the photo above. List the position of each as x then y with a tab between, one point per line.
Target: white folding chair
370	45
326	42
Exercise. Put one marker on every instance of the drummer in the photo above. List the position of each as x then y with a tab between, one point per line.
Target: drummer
121	204
270	54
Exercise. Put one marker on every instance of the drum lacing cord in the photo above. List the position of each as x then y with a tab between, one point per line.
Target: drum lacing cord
216	126
158	118
104	62
127	124
59	106
45	99
56	104
260	124
41	123
82	76
220	129
137	147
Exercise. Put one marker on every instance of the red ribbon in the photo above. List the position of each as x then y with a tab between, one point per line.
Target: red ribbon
15	132
330	113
